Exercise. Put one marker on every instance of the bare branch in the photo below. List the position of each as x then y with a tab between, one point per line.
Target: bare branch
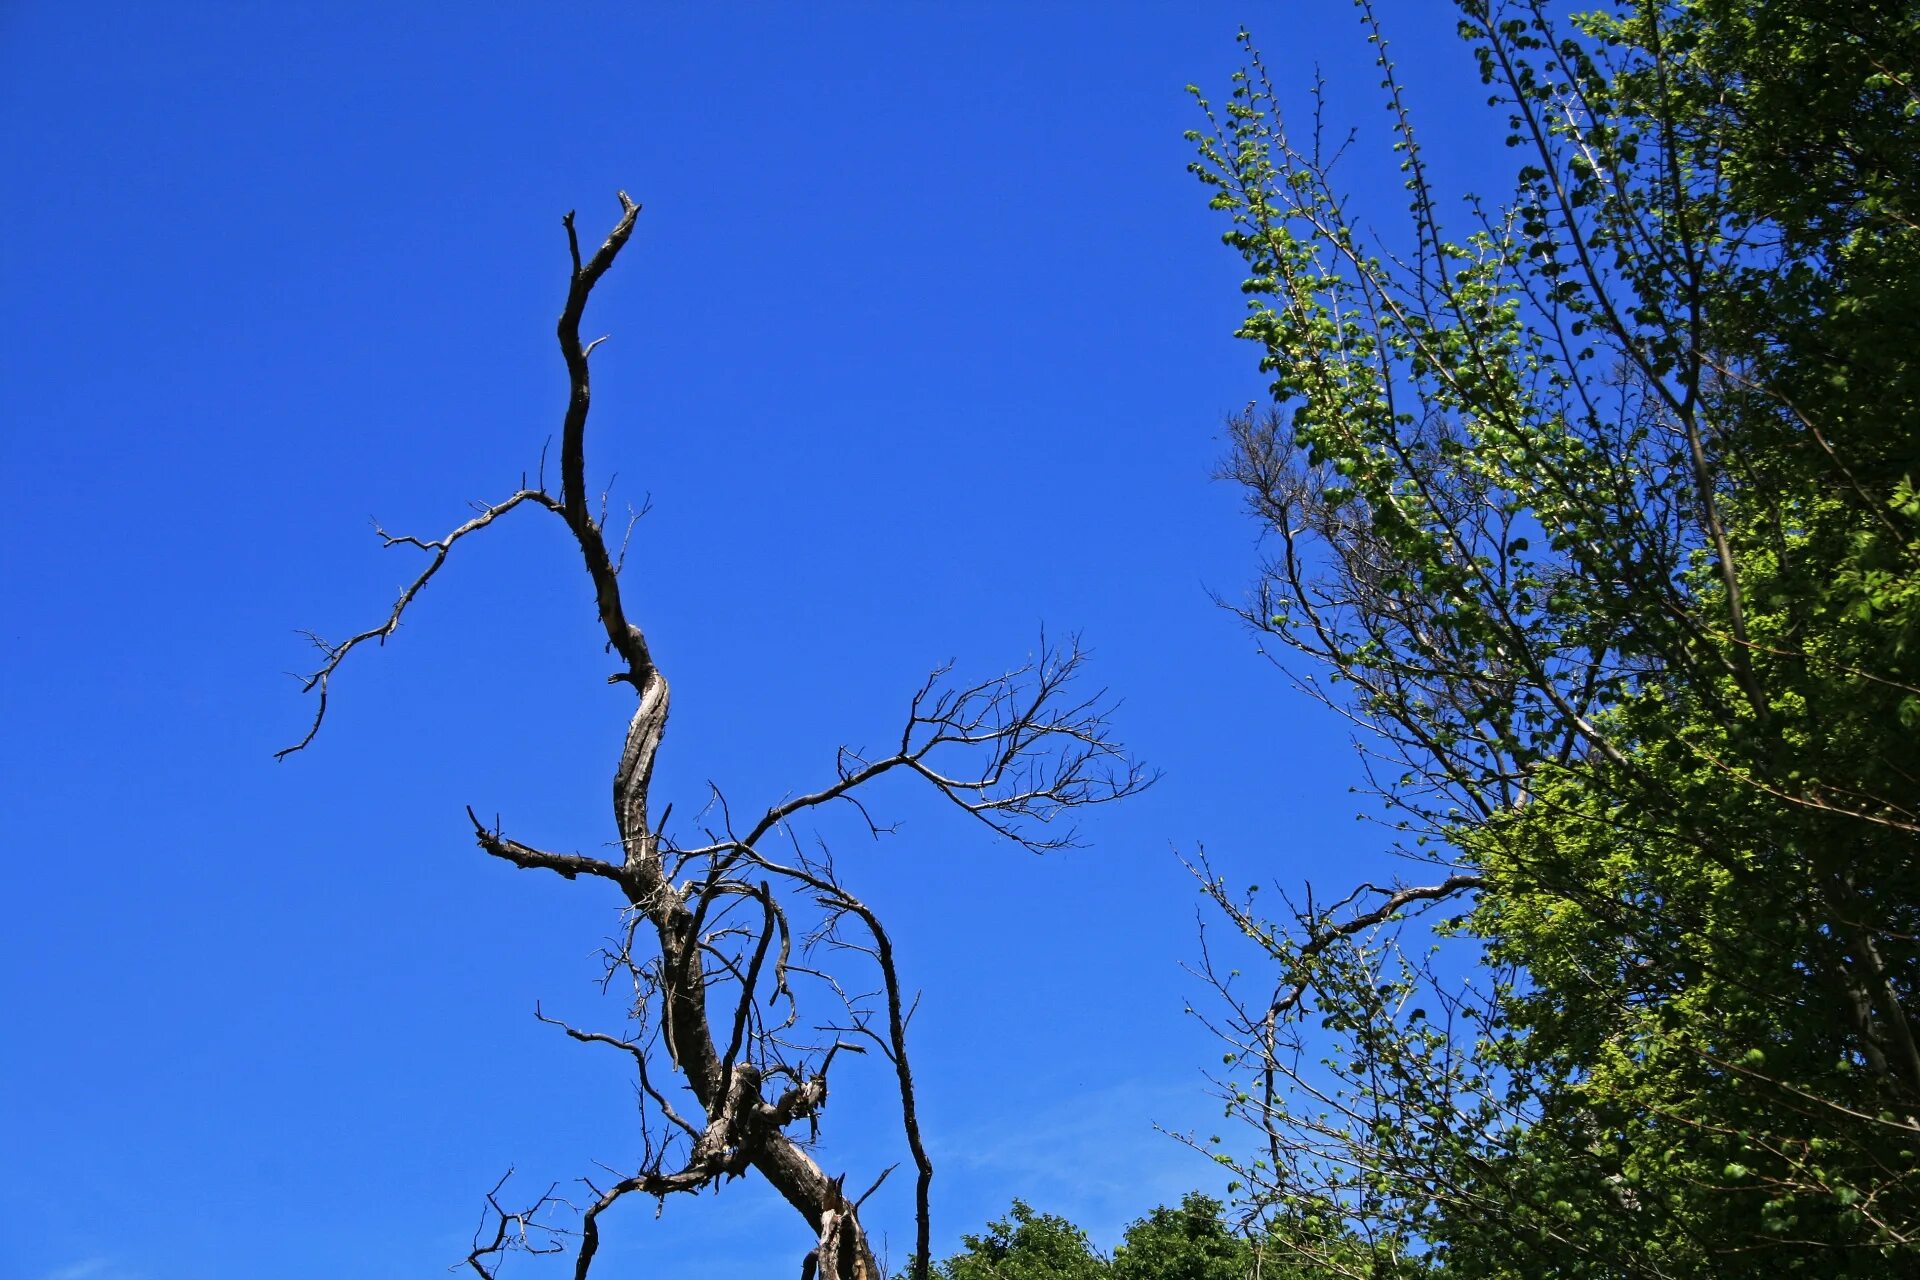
514	1231
336	653
566	865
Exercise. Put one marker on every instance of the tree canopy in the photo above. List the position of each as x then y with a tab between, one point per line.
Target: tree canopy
1188	1242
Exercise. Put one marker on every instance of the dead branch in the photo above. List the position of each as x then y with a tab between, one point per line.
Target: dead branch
514	1230
335	654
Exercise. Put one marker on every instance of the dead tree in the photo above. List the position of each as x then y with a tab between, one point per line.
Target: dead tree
726	941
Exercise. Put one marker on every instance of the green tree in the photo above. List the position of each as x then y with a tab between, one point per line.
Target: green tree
1026	1245
1602	517
1191	1242
1187	1243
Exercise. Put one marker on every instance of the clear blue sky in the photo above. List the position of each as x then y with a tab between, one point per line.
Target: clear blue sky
923	342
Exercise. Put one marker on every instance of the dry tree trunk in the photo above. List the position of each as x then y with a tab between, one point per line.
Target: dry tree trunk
719	935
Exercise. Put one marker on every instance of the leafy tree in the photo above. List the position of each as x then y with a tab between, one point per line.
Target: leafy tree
1191	1242
1026	1245
1187	1243
1602	519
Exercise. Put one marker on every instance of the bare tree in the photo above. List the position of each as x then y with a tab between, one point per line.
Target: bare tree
752	966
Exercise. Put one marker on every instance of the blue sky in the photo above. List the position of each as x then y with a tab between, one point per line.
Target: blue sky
923	343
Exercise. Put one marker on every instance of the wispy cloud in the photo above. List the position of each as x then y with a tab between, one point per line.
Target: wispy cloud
93	1269
1096	1159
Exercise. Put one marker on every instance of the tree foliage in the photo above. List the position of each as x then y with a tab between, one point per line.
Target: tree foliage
1025	1245
1601	519
1189	1242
